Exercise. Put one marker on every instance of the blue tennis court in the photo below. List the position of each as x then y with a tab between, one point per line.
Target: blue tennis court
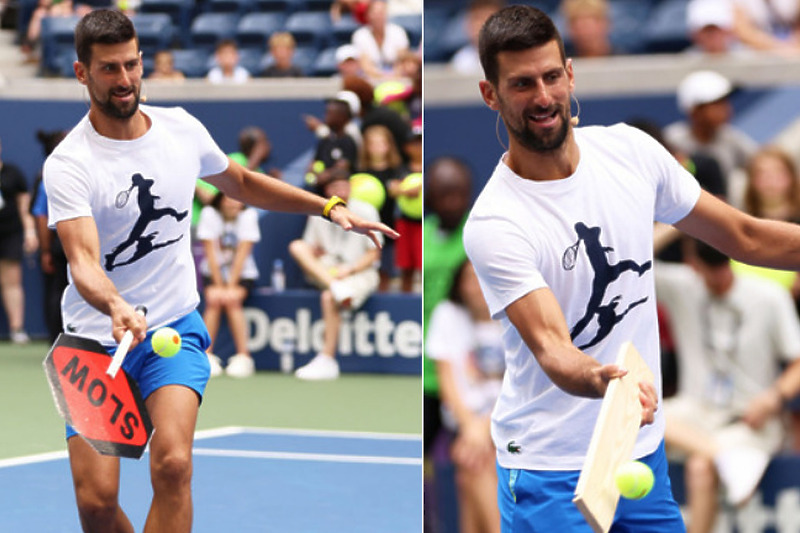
248	480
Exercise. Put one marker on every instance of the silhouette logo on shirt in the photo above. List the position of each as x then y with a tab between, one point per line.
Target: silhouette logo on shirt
605	274
143	243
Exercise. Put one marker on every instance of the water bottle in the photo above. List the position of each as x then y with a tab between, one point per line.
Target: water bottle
287	356
278	276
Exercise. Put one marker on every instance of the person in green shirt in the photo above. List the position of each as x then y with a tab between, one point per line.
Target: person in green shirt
448	197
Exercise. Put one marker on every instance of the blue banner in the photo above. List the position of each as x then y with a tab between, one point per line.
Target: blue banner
285	331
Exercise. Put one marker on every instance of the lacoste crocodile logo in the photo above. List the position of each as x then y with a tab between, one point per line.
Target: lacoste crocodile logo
513	447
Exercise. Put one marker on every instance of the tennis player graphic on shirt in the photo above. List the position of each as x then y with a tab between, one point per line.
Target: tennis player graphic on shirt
144	243
604	275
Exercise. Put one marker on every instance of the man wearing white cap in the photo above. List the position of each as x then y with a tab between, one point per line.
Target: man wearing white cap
710	24
347	61
704	96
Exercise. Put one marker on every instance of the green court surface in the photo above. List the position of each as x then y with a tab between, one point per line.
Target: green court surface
356	402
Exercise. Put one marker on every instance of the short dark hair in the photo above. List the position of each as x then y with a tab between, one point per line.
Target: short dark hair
103	26
710	256
515	28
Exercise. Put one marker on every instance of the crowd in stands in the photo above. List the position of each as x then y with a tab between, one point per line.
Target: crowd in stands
243	38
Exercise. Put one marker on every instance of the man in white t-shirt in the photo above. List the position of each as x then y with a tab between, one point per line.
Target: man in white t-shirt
733	334
561	238
345	269
120	188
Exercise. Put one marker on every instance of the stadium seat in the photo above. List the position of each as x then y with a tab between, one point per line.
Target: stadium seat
310	28
65	63
155	31
449	37
273	6
342	31
413	26
325	64
180	11
666	29
241	7
251	59
254	29
317	5
57	37
210	28
192	62
434	20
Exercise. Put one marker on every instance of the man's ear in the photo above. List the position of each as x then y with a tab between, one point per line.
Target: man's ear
489	94
80	72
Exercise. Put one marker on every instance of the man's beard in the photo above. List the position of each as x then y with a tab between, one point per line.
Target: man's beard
549	142
108	108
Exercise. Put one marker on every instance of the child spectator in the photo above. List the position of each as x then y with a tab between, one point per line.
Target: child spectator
281	48
227	68
164	67
228	231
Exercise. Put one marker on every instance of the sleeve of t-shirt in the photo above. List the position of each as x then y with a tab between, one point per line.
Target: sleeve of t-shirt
247	226
212	159
209	225
677	191
446	340
506	263
68	190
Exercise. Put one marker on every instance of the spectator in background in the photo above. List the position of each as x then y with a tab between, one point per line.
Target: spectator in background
408	256
448	196
381	158
347	62
228	231
710	25
255	150
704	96
733	333
227	68
768	25
45	9
588	28
17	237
465	60
355	8
281	48
337	149
344	269
164	67
467	346
53	260
380	42
377	114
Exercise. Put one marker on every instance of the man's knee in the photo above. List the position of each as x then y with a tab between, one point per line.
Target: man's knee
98	503
700	473
297	247
173	470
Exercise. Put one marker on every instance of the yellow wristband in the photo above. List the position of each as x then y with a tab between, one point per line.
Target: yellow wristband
333	201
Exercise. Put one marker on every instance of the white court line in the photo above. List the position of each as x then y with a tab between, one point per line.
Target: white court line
235	430
318	457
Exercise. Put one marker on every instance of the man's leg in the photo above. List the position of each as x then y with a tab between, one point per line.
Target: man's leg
96	481
702	489
12	293
332	319
173	410
309	262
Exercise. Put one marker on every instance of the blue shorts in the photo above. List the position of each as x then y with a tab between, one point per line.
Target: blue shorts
534	501
189	367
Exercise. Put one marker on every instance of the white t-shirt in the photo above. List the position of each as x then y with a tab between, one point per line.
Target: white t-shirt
474	351
144	233
239	75
226	236
729	349
589	239
342	247
395	40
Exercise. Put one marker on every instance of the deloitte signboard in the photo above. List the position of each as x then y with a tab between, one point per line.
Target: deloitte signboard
286	329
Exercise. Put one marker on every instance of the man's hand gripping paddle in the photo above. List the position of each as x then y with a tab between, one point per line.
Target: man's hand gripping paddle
96	397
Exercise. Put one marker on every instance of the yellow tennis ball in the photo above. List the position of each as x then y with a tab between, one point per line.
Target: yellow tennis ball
166	342
411	206
634	480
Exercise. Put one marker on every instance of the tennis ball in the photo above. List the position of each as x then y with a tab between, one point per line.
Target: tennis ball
411	206
318	167
634	480
166	342
367	188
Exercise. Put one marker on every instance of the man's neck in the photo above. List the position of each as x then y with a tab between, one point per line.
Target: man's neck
544	166
120	129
